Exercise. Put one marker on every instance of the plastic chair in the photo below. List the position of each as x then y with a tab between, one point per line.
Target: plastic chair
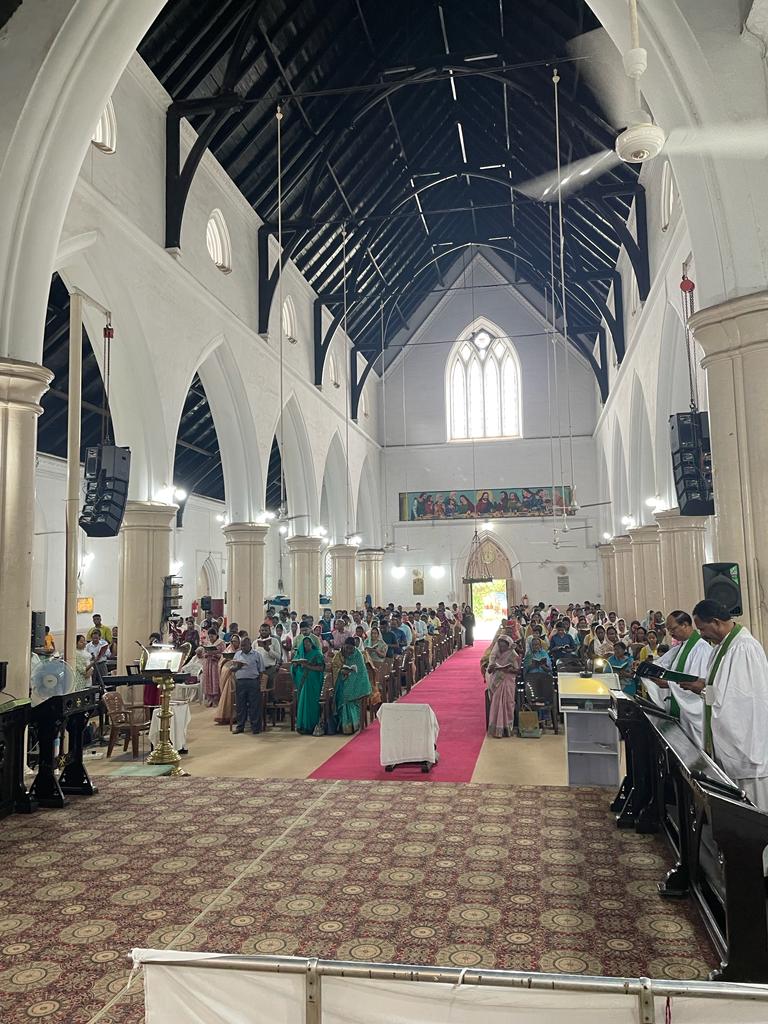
282	697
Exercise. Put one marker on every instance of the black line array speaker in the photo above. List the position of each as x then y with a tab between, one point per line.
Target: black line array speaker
107	470
38	630
722	583
692	463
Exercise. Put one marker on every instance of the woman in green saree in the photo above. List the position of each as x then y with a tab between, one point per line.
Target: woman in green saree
308	670
352	684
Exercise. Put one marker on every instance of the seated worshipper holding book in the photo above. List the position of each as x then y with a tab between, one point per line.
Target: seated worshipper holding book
352	684
501	682
308	671
623	666
537	657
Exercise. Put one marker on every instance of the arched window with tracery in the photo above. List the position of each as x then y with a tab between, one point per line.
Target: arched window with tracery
483	387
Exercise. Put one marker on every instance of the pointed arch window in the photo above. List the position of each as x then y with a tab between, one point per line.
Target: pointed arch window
218	242
105	134
483	387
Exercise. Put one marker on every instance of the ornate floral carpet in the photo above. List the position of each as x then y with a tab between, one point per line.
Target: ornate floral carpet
530	878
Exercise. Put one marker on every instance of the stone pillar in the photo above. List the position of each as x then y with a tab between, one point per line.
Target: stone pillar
145	558
245	574
343	574
371	561
734	336
608	573
305	574
646	566
625	578
681	549
22	385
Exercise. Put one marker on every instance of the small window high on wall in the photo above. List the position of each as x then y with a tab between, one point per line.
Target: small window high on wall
218	242
483	387
105	134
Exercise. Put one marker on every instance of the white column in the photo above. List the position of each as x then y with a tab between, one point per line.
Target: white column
305	574
343	573
145	558
681	549
608	573
734	336
625	578
646	565
22	385
371	561
245	574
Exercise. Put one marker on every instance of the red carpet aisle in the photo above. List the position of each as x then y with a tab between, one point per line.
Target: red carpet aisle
455	693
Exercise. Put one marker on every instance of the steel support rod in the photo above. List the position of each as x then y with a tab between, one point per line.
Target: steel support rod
73	473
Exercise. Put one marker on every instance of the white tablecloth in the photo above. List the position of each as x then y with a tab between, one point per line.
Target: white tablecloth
408	733
179	725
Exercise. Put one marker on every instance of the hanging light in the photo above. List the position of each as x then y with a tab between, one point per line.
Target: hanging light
477	570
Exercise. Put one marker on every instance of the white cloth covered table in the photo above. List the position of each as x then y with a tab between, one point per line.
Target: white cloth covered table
408	733
179	725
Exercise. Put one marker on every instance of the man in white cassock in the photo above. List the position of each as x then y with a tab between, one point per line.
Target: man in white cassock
691	654
735	690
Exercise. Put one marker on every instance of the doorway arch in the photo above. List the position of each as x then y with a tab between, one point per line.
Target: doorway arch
504	571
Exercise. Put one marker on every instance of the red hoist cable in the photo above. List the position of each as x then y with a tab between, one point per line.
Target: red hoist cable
687	294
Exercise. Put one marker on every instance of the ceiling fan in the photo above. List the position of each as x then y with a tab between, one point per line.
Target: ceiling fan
556	542
641	139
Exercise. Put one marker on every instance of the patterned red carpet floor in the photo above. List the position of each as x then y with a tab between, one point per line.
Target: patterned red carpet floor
530	878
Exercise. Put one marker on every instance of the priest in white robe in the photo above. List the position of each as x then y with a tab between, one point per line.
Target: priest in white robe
691	654
736	701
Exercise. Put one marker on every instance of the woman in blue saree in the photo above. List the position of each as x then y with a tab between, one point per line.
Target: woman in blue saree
352	684
308	670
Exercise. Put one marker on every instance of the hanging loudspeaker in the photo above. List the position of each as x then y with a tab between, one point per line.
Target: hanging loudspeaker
107	469
692	463
722	583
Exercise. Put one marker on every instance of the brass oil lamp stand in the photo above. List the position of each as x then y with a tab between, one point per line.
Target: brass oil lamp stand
165	752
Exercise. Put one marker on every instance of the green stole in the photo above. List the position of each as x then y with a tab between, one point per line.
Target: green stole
709	745
690	643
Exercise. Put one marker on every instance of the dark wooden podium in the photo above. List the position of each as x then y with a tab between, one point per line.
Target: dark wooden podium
14	717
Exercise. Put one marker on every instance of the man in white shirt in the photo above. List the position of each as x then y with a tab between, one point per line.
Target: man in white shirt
97	648
735	692
249	666
691	655
271	652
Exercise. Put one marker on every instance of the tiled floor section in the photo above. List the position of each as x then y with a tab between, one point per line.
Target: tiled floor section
532	878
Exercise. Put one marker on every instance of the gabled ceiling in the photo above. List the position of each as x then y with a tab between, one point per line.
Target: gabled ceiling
388	163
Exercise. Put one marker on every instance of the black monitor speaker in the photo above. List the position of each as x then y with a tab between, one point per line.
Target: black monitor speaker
38	630
692	463
722	583
107	470
205	603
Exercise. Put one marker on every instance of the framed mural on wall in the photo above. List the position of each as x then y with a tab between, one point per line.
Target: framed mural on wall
488	503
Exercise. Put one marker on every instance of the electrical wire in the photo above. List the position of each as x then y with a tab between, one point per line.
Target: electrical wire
563	294
347	374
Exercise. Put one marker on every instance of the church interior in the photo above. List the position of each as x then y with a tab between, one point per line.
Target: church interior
383	504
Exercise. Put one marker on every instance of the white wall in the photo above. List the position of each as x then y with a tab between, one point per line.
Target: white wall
418	457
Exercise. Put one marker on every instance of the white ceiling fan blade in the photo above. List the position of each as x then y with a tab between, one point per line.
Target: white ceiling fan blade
572	177
745	140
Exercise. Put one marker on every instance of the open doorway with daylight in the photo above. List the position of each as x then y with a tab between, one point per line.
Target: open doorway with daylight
491	598
489	604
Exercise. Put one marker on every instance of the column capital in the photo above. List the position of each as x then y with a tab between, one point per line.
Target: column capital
343	551
23	384
621	543
303	543
246	533
370	554
644	534
731	326
148	515
605	550
671	521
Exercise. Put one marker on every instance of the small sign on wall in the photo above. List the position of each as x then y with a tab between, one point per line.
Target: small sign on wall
84	605
417	576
